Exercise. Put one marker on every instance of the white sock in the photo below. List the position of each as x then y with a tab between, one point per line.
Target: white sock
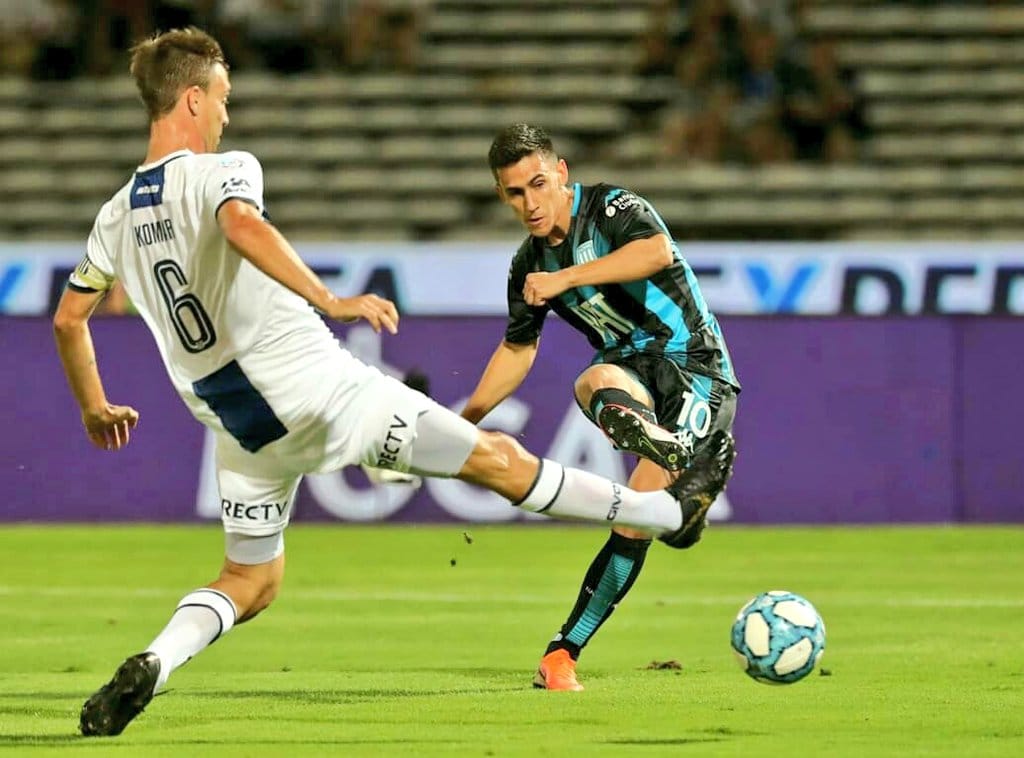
200	618
570	493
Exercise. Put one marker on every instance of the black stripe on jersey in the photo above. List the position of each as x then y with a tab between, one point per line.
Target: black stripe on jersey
242	410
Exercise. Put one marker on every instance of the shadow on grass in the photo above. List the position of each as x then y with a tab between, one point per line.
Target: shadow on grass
112	743
41	696
718	734
37	711
38	740
665	742
341	696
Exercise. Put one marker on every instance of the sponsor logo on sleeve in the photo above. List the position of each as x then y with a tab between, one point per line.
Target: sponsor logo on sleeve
236	184
623	202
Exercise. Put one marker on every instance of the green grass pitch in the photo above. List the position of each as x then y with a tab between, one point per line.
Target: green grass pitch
415	641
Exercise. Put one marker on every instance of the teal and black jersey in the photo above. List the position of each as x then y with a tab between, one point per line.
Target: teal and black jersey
664	314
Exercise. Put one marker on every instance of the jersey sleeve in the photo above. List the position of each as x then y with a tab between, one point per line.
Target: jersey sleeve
627	217
237	175
524	321
95	272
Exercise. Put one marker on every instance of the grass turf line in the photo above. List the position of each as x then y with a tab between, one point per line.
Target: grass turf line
379	645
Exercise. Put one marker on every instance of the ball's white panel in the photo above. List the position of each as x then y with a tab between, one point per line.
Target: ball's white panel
757	634
793	657
740	659
776	593
796	612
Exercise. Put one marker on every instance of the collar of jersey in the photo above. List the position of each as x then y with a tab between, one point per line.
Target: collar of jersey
577	196
166	159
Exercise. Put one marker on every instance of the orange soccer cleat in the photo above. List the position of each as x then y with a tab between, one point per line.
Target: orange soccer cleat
557	671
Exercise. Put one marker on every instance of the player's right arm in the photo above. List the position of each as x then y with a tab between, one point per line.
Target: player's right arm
506	370
107	425
260	243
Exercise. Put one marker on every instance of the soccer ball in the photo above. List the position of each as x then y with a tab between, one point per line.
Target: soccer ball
778	637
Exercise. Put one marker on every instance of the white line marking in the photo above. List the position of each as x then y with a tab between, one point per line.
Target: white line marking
327	595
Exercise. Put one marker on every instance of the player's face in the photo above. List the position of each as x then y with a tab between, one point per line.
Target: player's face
535	189
215	111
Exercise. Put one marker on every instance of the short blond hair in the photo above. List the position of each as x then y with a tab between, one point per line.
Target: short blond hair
165	65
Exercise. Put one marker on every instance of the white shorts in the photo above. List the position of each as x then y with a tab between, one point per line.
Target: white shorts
350	413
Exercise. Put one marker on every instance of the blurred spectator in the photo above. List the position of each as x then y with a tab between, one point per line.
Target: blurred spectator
697	124
758	115
386	33
823	107
782	17
658	45
327	24
39	39
266	34
713	22
110	28
657	54
178	14
703	134
746	85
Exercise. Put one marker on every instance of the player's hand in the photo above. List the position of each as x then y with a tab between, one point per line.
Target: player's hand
379	312
108	428
541	286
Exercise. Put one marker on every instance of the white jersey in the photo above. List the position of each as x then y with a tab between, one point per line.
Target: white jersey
251	359
231	337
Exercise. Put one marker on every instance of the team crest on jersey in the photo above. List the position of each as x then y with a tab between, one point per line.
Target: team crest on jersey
584	252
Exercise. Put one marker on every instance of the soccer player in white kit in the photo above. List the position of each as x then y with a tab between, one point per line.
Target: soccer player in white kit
231	307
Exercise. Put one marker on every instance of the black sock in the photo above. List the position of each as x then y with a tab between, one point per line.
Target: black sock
608	579
615	396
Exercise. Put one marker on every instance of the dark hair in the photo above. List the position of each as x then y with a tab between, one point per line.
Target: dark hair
164	65
515	142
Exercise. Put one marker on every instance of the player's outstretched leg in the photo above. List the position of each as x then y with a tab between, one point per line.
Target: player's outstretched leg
633	430
699	485
124	697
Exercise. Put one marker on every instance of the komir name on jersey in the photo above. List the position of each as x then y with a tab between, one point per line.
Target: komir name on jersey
161	230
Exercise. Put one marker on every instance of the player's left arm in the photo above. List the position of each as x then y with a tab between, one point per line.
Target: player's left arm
108	426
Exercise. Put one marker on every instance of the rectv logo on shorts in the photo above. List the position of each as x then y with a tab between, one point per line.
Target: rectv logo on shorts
251	512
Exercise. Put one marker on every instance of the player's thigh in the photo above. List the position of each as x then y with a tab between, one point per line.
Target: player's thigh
693	405
255	500
404	430
609	376
700	406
